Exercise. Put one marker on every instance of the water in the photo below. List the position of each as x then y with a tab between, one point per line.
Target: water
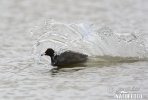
116	69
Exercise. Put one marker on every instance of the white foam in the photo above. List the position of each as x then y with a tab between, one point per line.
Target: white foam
84	38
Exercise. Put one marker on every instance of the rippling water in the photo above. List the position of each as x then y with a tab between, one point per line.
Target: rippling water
118	61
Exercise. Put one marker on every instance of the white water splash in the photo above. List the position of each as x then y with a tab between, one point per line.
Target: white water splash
87	39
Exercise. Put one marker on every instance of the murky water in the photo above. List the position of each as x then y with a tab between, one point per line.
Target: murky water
124	71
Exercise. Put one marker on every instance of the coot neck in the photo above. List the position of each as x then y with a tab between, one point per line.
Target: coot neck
53	59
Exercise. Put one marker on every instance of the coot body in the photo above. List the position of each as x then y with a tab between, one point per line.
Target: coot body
66	58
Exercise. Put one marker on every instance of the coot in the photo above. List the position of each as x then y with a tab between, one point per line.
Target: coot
66	58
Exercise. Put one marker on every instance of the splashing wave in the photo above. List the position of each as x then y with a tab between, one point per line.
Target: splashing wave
88	39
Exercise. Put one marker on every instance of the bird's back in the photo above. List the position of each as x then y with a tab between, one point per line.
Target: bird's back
70	57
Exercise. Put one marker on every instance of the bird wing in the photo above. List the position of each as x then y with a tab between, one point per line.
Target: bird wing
70	57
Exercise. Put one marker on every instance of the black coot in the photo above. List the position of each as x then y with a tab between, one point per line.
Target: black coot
65	58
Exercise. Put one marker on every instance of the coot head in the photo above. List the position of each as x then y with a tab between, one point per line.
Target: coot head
49	52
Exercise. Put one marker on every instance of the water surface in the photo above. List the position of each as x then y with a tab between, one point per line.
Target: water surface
22	78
